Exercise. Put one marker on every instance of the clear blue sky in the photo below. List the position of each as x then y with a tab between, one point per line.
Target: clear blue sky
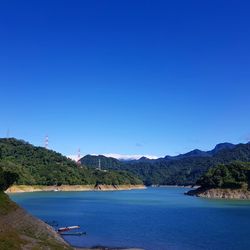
132	77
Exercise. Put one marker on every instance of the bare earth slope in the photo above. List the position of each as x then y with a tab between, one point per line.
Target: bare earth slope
19	230
221	193
26	188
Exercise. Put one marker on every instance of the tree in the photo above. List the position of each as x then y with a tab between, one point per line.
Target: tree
7	179
232	175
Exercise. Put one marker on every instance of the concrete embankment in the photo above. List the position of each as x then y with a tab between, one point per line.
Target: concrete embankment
39	188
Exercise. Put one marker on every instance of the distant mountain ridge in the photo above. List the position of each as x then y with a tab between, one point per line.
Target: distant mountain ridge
193	153
200	153
183	169
39	166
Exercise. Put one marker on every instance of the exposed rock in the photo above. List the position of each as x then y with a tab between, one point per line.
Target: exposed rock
19	230
25	188
221	193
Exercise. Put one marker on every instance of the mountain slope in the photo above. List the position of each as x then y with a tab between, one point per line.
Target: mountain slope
105	162
221	146
184	169
19	230
39	166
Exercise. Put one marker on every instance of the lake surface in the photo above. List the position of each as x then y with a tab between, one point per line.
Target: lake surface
153	219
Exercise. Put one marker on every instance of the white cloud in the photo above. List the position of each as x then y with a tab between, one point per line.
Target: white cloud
129	157
119	156
73	157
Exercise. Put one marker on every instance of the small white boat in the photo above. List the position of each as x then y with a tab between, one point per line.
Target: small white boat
64	229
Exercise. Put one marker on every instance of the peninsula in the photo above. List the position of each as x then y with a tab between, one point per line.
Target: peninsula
230	181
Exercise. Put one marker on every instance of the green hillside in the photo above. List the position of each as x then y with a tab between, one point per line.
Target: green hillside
92	161
232	175
181	170
39	166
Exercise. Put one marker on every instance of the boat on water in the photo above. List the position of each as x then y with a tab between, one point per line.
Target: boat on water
65	229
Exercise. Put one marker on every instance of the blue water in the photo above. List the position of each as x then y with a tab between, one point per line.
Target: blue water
153	219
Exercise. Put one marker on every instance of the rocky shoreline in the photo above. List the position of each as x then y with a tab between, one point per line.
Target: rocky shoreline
71	188
221	193
20	230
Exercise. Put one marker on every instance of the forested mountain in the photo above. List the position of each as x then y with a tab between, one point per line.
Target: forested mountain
39	166
231	175
106	162
183	169
221	146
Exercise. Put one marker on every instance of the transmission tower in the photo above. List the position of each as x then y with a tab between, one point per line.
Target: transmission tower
46	143
79	157
99	164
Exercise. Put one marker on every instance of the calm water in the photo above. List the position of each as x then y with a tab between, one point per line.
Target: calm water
153	219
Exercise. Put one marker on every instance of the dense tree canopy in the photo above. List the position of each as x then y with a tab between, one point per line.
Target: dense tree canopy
7	179
180	170
39	166
232	175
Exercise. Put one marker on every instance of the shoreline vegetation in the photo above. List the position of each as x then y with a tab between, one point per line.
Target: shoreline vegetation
225	181
71	188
